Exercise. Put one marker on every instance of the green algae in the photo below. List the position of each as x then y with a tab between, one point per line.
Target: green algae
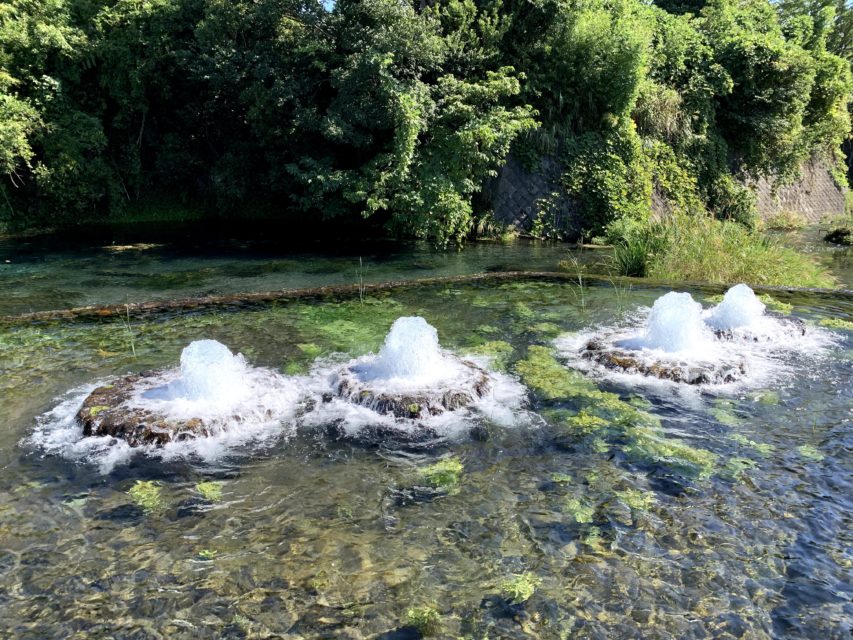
498	352
776	305
444	474
810	453
735	468
94	411
147	495
768	397
837	323
210	490
520	588
541	372
723	412
761	447
580	511
522	312
207	554
651	445
426	620
547	329
637	500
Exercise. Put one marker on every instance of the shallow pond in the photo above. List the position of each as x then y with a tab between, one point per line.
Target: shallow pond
600	509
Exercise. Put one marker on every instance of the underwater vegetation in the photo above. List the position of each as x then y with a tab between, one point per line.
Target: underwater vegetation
605	420
520	588
425	619
147	494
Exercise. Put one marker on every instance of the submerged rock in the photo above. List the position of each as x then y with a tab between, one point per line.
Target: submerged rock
630	361
106	412
416	403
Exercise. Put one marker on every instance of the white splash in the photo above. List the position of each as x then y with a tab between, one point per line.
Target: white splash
676	332
674	325
411	358
740	308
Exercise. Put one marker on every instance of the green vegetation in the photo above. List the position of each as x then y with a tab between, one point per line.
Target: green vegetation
425	619
210	490
147	495
443	474
400	112
810	453
700	248
520	588
837	323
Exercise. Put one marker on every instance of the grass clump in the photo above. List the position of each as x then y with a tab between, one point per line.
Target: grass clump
520	588
443	474
700	248
210	490
147	495
425	619
785	220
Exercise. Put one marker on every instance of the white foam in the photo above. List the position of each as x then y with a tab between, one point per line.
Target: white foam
740	308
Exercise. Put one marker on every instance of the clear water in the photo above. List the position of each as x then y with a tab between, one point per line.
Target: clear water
732	518
52	273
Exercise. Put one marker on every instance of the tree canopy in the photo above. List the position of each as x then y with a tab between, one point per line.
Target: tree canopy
402	111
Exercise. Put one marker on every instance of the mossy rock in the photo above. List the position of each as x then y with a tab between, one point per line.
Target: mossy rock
418	404
614	358
105	413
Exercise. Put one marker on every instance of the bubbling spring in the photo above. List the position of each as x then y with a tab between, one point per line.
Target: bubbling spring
679	341
212	404
415	389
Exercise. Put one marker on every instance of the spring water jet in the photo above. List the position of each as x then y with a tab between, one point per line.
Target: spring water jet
212	392
411	377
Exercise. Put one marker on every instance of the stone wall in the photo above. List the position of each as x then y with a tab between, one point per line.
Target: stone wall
517	195
813	196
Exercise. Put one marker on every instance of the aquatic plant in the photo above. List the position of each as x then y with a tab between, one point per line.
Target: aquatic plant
425	619
776	305
443	474
147	495
723	412
541	372
651	445
210	490
837	323
520	588
736	467
581	512
761	447
636	499
498	352
810	452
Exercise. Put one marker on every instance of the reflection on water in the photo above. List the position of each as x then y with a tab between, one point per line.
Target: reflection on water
631	512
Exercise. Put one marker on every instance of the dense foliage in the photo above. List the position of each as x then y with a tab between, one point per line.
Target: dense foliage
401	111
